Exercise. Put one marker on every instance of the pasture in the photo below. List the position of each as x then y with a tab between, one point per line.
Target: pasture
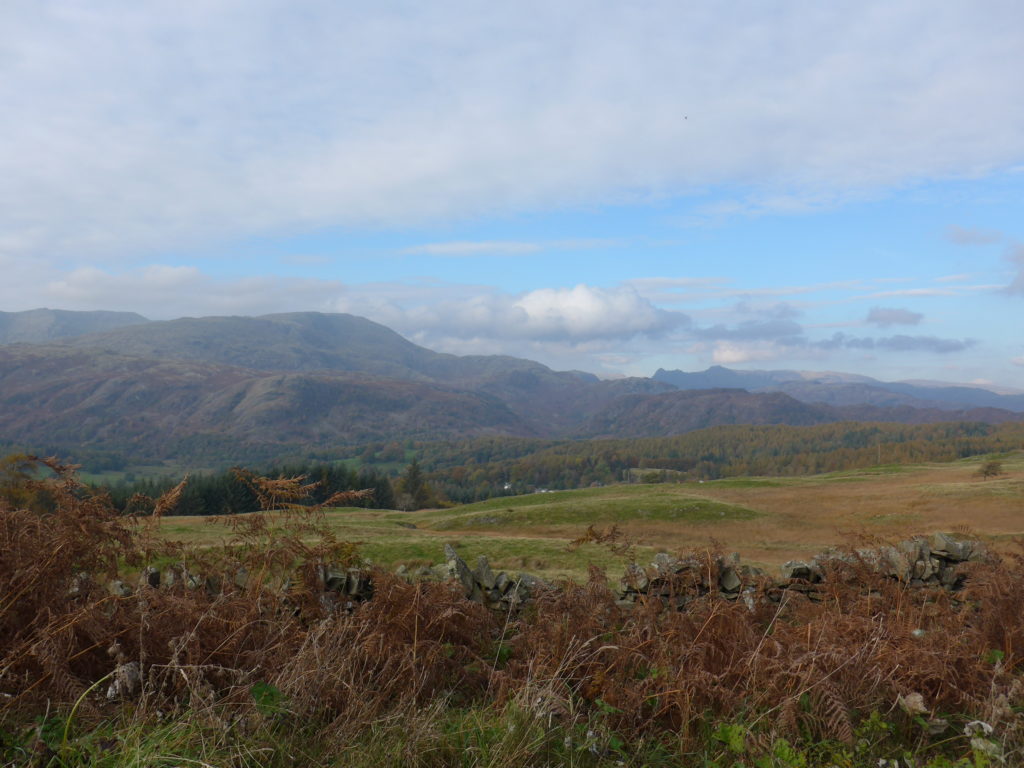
766	520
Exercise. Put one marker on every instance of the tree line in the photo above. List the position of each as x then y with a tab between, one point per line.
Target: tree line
448	472
477	470
227	492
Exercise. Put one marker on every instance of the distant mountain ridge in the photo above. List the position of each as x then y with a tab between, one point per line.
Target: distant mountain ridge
306	342
840	389
59	393
682	411
231	387
38	326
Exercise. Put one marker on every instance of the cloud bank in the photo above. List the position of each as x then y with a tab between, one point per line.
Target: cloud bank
584	326
969	236
1016	258
572	316
887	316
148	126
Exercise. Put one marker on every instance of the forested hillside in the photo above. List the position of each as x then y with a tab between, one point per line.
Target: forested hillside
483	468
471	470
216	391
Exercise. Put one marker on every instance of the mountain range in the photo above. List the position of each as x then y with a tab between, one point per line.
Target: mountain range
37	326
234	387
846	389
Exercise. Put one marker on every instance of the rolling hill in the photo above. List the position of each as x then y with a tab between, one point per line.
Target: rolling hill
36	326
232	387
675	413
546	401
73	397
844	389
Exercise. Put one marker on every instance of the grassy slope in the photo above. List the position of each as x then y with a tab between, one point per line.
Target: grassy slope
766	520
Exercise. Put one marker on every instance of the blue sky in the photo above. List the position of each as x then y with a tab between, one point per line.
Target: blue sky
608	186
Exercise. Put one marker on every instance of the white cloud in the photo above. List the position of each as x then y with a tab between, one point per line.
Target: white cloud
154	125
666	283
675	290
792	290
305	259
584	312
779	329
780	310
968	236
587	327
504	247
1016	257
734	348
493	247
92	284
566	315
897	343
736	352
162	292
671	290
932	344
911	292
887	316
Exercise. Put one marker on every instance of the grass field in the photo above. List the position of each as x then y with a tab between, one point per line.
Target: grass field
766	520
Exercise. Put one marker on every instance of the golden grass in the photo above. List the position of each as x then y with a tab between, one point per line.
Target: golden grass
776	519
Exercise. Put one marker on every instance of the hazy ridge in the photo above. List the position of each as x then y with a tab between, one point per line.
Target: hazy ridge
239	384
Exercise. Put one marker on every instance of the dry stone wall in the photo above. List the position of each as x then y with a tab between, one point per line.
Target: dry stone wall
500	591
935	561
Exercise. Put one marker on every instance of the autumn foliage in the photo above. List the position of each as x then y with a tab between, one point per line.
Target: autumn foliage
249	616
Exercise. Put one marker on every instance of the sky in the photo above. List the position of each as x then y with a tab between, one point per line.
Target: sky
606	186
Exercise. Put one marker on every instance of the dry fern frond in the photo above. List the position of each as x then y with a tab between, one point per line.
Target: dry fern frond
277	493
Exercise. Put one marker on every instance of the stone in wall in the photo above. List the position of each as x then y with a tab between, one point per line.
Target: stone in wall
500	591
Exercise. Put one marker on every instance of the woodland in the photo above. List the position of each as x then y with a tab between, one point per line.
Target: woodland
473	470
